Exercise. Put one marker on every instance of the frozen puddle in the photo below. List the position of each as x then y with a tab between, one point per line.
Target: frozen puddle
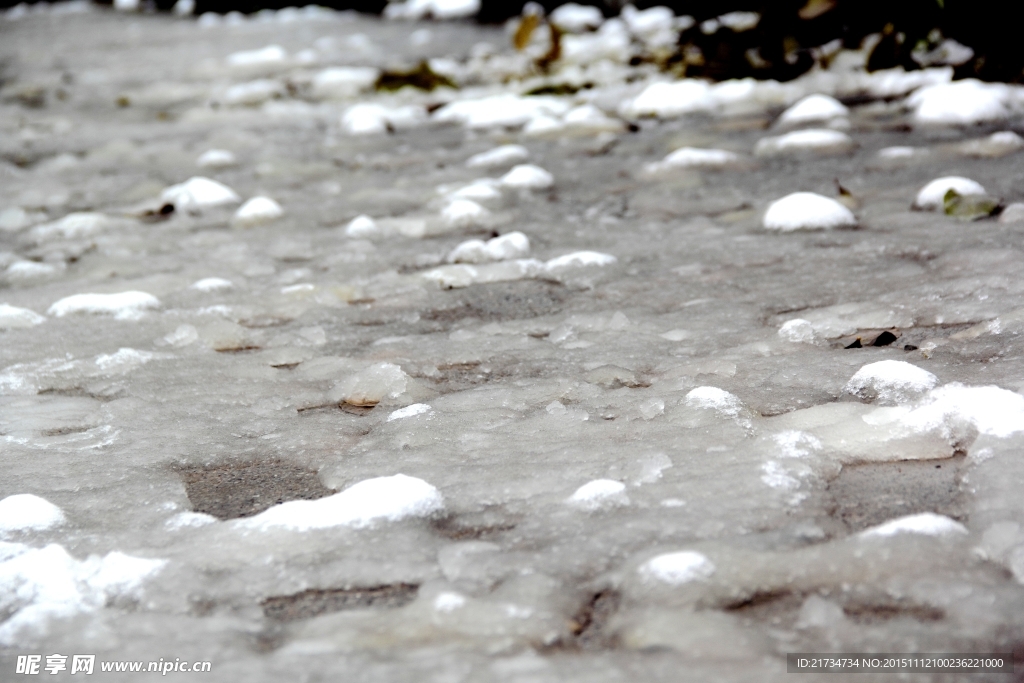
338	347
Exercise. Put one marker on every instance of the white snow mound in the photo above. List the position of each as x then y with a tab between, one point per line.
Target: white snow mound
13	317
123	305
807	211
599	493
890	382
26	512
38	585
257	210
362	226
961	102
216	158
677	568
199	193
575	18
931	195
714	398
813	109
508	246
693	157
991	410
211	284
527	177
508	110
925	523
797	330
373	500
819	140
499	156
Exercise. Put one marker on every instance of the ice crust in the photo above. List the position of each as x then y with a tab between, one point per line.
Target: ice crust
656	452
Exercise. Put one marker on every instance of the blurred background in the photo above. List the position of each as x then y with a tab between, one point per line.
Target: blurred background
980	38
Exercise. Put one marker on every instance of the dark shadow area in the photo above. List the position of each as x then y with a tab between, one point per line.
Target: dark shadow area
317	601
787	40
248	488
870	494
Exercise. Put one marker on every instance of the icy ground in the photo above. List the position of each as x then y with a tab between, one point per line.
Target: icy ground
575	410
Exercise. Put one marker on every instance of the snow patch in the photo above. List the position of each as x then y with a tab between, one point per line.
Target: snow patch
38	585
216	158
993	411
962	102
797	330
715	399
387	499
677	568
368	118
807	211
73	226
123	305
13	317
272	54
527	177
811	140
256	211
464	213
508	246
409	411
26	512
598	494
693	157
212	284
931	196
925	523
815	108
890	382
499	156
574	18
198	193
510	111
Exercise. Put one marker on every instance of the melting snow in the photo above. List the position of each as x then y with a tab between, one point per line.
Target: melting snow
807	211
677	568
598	494
387	499
931	195
890	382
123	305
26	512
926	523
